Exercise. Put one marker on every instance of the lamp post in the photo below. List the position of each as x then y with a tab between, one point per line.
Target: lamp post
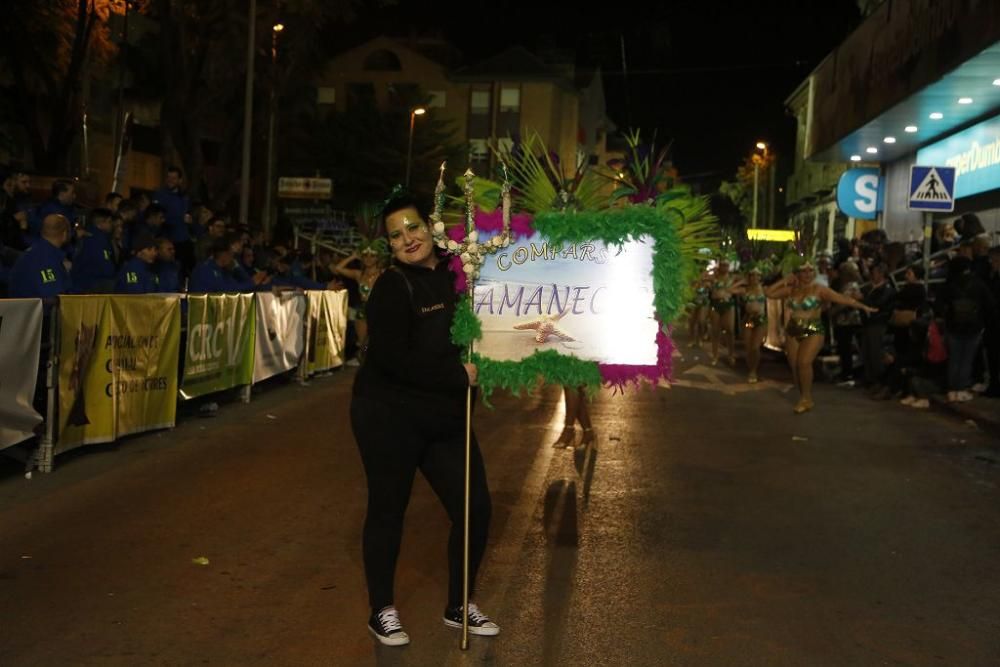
761	146
272	112
247	115
418	111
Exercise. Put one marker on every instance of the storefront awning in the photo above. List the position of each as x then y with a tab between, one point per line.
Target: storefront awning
968	93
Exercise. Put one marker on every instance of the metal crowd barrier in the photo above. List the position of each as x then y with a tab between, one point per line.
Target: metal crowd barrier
42	457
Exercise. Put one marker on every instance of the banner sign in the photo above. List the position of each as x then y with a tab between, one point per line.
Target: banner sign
304	188
20	342
327	330
588	300
280	336
220	343
118	366
975	155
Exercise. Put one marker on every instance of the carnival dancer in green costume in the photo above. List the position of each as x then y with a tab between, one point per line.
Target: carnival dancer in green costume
805	330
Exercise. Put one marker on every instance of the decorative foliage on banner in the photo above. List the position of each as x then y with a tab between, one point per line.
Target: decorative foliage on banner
620	225
518	376
570	211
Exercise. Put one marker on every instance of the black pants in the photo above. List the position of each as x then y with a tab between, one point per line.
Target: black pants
872	342
185	257
394	443
845	335
992	343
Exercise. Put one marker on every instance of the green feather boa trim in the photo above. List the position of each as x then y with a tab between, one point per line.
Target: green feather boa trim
520	376
619	225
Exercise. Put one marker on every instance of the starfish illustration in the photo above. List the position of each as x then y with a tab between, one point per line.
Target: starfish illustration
544	327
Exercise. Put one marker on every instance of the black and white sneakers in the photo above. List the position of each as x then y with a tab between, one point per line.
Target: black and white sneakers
387	628
479	623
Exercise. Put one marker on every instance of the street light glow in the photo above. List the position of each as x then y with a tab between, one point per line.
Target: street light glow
761	146
419	111
278	27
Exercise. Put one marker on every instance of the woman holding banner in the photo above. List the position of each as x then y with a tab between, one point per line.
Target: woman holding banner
408	413
805	331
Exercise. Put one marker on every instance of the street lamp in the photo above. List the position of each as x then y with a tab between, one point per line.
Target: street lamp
761	146
418	111
272	112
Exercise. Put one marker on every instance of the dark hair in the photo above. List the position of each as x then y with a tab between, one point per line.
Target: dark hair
127	206
176	170
61	185
112	196
398	202
214	219
881	267
918	270
220	245
155	209
959	265
99	214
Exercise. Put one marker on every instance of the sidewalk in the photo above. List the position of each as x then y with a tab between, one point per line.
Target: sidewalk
984	411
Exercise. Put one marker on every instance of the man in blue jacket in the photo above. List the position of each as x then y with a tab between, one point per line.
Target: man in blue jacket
152	225
217	273
62	203
284	277
165	268
178	215
137	275
94	267
40	273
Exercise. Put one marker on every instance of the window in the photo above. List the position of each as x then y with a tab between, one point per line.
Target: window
382	60
480	121
479	149
480	102
360	95
439	99
510	100
326	95
509	116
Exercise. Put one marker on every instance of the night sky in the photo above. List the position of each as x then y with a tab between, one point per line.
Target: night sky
712	76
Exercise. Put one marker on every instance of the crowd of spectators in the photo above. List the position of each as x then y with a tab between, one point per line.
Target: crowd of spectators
158	242
936	336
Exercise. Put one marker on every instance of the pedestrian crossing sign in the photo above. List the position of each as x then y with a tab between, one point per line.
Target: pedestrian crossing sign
932	189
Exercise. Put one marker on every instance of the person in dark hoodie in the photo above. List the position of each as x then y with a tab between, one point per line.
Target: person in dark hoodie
408	413
136	276
94	269
968	309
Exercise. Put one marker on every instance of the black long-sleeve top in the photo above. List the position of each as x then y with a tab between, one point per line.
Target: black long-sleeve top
911	296
411	361
883	298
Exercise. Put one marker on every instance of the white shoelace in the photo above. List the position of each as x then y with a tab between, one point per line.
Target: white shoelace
477	616
389	618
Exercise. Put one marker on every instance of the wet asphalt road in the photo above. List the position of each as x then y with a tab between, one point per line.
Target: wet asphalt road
708	526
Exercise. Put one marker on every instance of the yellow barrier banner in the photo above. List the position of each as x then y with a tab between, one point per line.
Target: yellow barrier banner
118	366
327	330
